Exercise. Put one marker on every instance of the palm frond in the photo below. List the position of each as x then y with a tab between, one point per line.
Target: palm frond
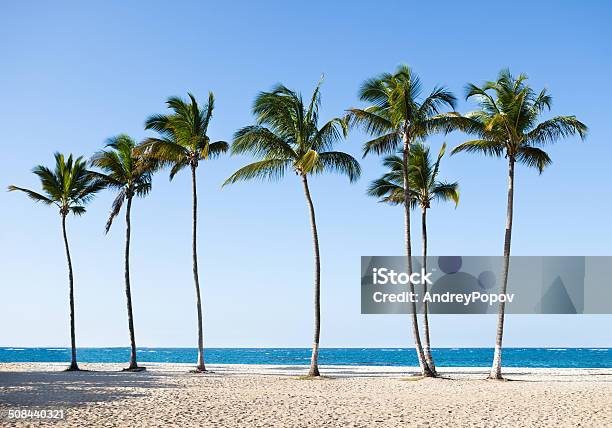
372	122
330	133
486	147
115	209
261	142
387	143
177	167
37	197
165	151
341	163
556	128
216	149
439	97
533	157
77	210
443	191
268	169
386	191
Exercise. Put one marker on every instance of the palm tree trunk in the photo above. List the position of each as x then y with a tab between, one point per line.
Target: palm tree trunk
314	360
428	357
73	360
425	370
200	366
128	291
496	372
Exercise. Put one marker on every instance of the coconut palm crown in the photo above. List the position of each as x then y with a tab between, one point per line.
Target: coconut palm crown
286	136
506	122
70	186
423	178
183	139
125	171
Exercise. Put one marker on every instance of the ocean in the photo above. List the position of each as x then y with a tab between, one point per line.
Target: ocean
449	357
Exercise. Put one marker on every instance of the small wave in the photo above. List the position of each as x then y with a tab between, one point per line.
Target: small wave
56	349
15	349
556	349
599	349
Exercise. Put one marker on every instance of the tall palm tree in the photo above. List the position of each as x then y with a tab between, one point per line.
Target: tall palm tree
399	117
130	174
424	188
506	125
286	136
183	142
69	187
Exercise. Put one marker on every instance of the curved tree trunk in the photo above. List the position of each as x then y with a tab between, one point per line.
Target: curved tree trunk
496	369
128	291
427	349
73	359
200	367
425	370
314	360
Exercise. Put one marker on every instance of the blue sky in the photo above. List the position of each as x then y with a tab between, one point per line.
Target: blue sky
73	74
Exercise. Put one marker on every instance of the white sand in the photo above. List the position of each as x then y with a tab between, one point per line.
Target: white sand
243	395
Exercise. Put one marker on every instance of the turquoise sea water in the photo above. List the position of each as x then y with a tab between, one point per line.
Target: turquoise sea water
449	357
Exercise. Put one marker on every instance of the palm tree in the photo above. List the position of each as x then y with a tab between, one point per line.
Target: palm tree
183	142
129	174
506	124
424	188
69	187
286	136
399	117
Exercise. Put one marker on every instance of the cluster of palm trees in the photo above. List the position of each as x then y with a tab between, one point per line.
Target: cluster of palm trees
286	136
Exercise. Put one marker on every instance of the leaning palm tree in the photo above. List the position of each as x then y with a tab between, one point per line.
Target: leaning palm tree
69	187
183	142
130	174
506	125
424	188
286	136
399	117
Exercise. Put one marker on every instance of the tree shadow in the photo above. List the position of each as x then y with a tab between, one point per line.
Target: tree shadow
57	389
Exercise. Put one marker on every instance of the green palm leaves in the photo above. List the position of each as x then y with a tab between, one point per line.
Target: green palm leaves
286	135
397	113
125	171
507	122
70	186
423	180
183	139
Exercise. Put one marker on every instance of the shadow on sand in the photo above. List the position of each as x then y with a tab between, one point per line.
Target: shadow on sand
57	389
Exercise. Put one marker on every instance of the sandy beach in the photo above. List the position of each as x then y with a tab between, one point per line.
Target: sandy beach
249	395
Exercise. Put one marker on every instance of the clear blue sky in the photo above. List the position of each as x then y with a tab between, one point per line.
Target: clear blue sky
73	74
